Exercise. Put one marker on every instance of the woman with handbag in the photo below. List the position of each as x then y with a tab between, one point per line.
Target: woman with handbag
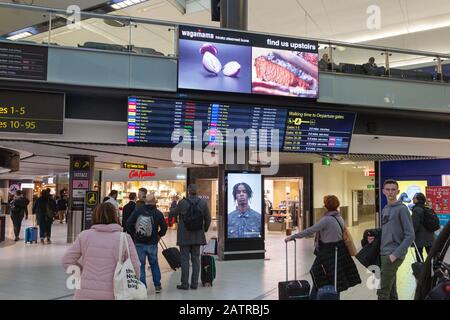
331	233
102	250
45	209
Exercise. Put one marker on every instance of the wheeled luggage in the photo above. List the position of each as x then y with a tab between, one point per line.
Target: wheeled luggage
172	255
31	234
208	269
293	289
329	292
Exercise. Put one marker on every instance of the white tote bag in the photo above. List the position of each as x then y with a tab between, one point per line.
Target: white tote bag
126	284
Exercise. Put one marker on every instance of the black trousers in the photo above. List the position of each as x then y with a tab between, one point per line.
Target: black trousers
45	228
17	223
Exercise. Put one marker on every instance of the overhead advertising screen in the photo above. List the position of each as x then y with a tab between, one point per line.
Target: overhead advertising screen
244	205
151	122
31	112
238	62
18	61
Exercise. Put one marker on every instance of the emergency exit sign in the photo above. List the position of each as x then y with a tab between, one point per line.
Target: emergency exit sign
370	186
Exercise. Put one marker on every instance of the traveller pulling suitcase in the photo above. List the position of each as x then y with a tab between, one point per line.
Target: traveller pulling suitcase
294	289
172	255
329	292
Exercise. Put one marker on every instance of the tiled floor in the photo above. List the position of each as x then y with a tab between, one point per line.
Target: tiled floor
34	271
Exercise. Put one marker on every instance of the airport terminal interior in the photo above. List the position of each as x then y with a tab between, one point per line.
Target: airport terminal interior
322	97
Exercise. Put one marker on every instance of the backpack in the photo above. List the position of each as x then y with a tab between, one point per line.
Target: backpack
144	228
430	220
49	212
193	218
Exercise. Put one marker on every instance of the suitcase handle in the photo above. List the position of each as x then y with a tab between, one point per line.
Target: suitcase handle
161	242
295	260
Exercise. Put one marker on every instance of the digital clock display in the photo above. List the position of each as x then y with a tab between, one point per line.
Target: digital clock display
31	112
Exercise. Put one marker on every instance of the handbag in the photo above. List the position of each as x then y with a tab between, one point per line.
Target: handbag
126	284
348	240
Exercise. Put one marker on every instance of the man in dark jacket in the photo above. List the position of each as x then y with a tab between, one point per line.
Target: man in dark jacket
18	209
128	210
190	241
424	237
45	210
147	225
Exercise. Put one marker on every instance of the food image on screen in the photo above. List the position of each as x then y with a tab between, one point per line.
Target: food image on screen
286	73
244	206
214	66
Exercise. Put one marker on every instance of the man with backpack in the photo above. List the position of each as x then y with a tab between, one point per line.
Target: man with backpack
425	223
147	225
194	220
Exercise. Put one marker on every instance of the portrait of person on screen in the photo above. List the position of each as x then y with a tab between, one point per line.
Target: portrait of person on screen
243	222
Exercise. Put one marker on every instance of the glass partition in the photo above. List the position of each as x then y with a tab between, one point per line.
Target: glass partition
152	39
413	67
23	25
358	61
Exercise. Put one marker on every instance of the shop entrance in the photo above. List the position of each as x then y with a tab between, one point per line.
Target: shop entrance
283	203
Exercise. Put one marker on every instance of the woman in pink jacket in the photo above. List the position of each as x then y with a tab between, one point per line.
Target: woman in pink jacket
98	249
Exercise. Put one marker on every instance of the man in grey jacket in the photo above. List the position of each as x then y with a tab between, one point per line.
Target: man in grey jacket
397	235
190	241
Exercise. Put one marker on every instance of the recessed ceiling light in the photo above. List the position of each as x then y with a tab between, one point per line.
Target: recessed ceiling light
20	36
125	3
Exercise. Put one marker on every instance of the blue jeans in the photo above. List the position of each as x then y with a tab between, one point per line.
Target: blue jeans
149	251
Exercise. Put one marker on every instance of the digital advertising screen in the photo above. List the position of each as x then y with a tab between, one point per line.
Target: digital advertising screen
238	62
154	121
244	205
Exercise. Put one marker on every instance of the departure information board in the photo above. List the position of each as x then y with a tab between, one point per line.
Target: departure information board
20	61
154	122
318	131
31	112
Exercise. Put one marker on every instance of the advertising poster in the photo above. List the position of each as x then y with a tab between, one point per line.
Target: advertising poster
242	62
284	73
439	198
244	205
409	188
227	69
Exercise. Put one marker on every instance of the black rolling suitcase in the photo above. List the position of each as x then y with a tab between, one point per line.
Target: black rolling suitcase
172	255
208	271
294	289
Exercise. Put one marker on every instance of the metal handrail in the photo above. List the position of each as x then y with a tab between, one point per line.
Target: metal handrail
176	24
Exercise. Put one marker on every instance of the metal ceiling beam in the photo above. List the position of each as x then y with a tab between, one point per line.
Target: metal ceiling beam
180	5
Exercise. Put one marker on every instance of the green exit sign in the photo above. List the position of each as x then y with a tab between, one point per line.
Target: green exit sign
326	161
370	186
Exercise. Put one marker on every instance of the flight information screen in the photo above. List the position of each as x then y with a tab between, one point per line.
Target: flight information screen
167	122
318	131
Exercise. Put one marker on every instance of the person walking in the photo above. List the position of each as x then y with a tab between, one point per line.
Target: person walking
62	206
128	210
98	249
18	209
190	238
424	237
397	235
45	210
329	233
142	193
147	225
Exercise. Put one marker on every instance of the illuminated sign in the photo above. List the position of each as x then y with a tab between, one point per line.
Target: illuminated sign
141	174
31	112
131	165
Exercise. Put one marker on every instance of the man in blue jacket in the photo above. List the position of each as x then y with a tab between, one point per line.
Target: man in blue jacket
397	235
147	225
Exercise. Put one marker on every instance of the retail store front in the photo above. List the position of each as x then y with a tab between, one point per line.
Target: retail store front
165	183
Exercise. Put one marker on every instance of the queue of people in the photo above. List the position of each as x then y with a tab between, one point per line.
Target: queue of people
146	225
